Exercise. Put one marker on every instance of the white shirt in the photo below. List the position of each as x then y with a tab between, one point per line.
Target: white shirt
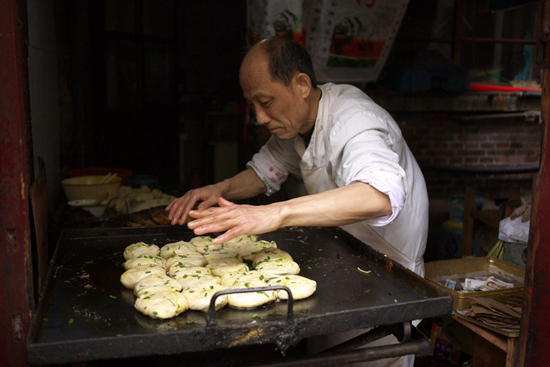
354	140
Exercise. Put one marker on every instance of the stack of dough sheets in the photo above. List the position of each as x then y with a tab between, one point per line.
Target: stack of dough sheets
183	276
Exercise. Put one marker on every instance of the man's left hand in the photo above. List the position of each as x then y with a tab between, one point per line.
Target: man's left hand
235	220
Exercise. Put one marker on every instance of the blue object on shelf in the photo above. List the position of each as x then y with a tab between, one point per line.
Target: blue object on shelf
428	70
457	206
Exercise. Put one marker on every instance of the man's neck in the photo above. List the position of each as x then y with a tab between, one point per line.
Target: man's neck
313	101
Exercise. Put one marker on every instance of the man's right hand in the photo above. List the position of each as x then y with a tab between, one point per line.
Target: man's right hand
179	208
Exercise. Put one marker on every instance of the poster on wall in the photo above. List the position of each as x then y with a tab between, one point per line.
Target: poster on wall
351	39
268	18
348	40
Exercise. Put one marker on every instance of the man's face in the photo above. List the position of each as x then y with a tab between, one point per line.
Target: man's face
281	109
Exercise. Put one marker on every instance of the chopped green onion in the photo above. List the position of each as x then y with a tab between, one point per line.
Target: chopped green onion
110	295
363	271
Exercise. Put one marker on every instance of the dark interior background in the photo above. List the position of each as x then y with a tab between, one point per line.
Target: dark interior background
152	86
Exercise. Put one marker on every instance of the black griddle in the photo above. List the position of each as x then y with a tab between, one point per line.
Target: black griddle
85	314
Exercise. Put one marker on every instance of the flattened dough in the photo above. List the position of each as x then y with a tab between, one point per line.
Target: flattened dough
175	248
200	297
251	249
156	283
270	254
139	249
198	280
144	260
250	299
162	305
230	279
131	277
301	287
179	270
193	258
277	268
241	240
225	253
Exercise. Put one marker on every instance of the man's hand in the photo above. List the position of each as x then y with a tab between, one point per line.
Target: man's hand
244	185
179	208
330	208
235	219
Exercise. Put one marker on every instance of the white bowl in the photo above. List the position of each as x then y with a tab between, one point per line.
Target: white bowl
86	204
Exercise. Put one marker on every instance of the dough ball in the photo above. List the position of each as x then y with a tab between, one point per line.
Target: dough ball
230	279
277	268
225	253
198	281
179	270
219	269
251	249
301	287
175	248
250	299
144	260
131	277
162	305
156	283
240	241
192	258
270	254
200	297
139	249
205	247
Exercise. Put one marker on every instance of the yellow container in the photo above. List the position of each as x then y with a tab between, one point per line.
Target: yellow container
438	272
89	187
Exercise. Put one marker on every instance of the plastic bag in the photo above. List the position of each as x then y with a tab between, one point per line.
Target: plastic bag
514	230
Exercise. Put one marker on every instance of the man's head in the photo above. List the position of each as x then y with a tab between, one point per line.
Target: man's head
278	81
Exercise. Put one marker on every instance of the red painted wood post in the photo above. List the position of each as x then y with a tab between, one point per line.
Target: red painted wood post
16	279
534	336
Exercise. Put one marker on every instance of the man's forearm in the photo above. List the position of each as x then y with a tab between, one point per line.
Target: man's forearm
345	205
244	185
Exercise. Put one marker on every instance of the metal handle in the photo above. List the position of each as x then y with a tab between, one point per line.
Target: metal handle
211	314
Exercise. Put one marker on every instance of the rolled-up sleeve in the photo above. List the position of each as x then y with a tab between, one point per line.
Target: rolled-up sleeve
362	152
272	172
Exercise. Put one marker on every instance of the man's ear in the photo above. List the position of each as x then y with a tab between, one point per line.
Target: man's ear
303	83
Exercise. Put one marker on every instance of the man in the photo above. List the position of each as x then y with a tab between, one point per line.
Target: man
357	169
350	154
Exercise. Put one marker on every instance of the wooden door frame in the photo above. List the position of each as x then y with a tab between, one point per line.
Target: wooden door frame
535	325
16	278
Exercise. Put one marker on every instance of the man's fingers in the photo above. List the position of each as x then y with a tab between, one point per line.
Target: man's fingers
222	202
206	204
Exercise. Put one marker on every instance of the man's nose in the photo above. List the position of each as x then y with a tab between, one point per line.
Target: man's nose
261	117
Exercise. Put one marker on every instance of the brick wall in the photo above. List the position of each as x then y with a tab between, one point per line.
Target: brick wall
440	140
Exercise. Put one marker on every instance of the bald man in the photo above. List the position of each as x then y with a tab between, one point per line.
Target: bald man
355	165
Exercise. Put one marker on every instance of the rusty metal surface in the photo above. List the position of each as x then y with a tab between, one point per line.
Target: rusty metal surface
85	313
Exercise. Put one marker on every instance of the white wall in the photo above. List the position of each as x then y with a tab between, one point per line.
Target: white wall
44	99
